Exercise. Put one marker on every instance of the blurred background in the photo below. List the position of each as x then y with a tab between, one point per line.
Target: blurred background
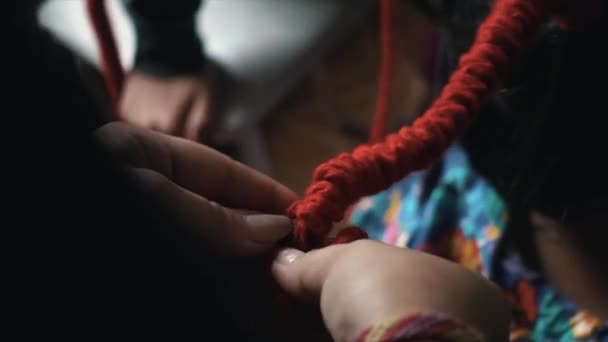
300	89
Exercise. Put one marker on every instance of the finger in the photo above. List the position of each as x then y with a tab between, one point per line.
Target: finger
226	230
197	119
174	119
197	168
225	180
303	274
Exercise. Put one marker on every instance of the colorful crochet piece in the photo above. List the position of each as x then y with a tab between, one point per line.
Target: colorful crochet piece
461	217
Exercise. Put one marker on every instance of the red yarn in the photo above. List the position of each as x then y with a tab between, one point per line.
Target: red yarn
347	235
108	52
338	183
383	101
371	168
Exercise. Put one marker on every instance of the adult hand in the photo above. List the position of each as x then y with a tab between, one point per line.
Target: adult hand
234	207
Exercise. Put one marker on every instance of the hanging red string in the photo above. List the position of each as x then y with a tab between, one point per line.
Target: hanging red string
108	51
383	99
385	79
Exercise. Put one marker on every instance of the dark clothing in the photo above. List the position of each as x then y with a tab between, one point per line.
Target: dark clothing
107	263
167	43
537	140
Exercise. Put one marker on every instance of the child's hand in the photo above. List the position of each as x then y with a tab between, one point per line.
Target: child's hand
179	105
366	282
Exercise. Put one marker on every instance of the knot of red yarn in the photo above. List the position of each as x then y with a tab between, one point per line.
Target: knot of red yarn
349	234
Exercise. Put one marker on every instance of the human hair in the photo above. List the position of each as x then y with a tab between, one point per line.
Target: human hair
540	140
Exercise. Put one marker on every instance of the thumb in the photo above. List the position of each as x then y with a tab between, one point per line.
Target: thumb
303	274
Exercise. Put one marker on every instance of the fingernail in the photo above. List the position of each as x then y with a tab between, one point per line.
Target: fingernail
287	256
268	228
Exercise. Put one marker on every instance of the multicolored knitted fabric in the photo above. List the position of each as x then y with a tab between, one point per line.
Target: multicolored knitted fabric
462	218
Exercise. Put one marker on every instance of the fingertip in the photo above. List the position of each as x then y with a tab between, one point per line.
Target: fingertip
283	199
280	275
267	229
282	269
287	256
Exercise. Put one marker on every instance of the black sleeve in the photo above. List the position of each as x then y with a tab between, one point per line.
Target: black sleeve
118	266
167	43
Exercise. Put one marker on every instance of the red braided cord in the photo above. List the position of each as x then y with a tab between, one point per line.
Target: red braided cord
108	52
338	183
383	100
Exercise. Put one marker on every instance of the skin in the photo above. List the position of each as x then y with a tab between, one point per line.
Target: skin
190	181
332	277
194	183
366	282
566	264
179	106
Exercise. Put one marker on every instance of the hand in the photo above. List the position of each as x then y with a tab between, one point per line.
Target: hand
178	106
198	187
366	282
224	216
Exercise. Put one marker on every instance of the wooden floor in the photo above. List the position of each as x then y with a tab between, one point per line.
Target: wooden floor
331	110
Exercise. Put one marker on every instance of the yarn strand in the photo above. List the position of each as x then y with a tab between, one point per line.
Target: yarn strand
383	99
108	51
371	168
